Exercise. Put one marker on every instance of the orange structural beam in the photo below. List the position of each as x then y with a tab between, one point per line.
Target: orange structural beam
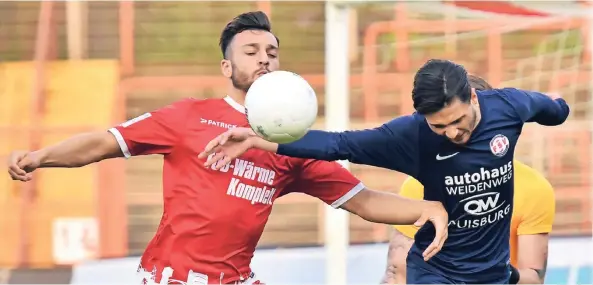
265	6
126	37
42	46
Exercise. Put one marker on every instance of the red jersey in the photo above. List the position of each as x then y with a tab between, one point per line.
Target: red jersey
213	219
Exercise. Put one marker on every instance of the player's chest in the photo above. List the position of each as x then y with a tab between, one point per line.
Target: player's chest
255	168
485	165
490	150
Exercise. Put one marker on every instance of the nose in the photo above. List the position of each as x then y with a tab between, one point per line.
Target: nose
451	133
263	59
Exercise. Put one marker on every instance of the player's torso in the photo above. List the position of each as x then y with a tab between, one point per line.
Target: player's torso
213	219
475	182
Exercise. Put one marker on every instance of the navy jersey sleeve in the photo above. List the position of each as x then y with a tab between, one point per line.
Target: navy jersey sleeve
394	145
536	107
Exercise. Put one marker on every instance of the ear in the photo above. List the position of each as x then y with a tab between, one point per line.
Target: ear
474	97
226	68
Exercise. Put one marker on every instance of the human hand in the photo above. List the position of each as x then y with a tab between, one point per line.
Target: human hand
439	217
21	164
227	146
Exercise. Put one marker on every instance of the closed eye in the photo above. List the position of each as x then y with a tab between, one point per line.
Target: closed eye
441	126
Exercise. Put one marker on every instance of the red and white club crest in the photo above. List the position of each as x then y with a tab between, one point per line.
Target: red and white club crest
499	145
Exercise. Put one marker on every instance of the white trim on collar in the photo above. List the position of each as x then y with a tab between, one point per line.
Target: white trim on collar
234	104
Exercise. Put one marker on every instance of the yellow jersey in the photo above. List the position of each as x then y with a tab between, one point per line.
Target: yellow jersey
533	211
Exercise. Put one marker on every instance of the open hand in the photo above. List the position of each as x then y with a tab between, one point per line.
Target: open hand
21	164
439	217
227	146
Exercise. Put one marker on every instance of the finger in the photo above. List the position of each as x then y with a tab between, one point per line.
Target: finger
202	154
18	170
436	249
211	146
226	160
437	243
430	250
15	176
23	163
225	137
213	160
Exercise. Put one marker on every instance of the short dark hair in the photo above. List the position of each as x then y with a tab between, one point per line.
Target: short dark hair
257	20
479	83
437	83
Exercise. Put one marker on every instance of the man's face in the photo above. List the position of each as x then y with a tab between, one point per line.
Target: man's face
252	54
456	121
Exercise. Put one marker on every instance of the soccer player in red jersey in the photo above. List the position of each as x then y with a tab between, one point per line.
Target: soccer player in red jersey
213	217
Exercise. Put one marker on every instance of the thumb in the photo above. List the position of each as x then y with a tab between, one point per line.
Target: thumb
26	163
421	221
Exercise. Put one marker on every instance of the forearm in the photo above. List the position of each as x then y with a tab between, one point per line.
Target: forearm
79	150
393	209
529	276
262	144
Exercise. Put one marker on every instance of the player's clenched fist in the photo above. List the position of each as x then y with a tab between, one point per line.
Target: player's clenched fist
21	164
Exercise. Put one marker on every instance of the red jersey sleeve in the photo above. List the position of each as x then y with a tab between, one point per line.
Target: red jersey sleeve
328	181
157	132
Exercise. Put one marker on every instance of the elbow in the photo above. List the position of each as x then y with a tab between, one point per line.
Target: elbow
563	112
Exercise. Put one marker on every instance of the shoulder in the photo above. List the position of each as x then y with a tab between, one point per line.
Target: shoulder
412	188
504	101
405	125
412	121
502	96
193	103
180	106
531	186
202	109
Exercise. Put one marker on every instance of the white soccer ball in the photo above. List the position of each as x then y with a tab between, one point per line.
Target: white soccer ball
281	106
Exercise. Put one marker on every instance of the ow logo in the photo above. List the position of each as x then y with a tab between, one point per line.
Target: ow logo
482	204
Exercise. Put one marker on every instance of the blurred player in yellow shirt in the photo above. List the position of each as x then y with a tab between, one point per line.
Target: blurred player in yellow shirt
533	215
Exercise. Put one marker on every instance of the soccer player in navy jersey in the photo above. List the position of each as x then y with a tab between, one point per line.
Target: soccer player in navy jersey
459	144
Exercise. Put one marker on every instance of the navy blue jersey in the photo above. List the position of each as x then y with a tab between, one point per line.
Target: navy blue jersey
473	181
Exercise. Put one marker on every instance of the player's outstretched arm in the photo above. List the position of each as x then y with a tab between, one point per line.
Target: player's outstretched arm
388	208
76	151
533	258
393	145
399	246
547	110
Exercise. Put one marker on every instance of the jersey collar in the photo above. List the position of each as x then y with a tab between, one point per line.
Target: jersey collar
234	104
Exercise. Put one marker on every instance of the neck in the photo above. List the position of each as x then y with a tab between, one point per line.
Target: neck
237	95
477	116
